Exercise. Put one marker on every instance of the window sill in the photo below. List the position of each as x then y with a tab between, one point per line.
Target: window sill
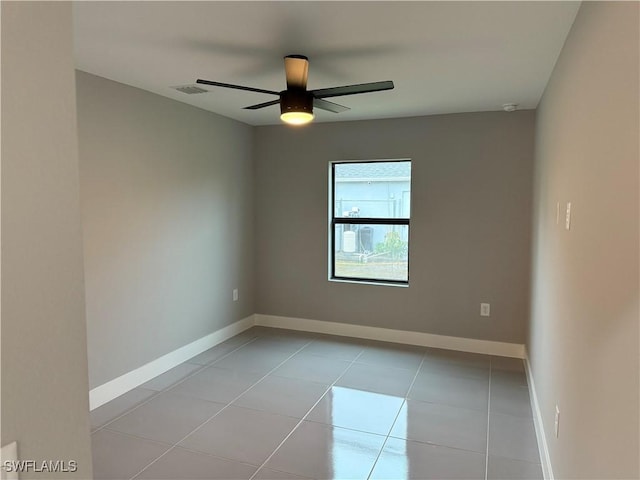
367	282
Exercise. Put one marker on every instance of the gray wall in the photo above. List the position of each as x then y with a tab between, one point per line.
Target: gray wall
44	351
584	331
470	214
167	216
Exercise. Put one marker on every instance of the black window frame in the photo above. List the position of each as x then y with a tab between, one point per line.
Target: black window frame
334	221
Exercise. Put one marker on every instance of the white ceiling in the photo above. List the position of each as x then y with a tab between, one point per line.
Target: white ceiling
444	57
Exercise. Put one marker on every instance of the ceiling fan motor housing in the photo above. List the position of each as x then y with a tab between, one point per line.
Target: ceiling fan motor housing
296	100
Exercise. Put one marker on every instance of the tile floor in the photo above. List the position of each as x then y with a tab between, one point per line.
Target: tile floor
276	404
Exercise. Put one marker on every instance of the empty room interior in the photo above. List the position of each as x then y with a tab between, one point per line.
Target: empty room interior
312	240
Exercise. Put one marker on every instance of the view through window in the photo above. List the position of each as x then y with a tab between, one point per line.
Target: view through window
370	212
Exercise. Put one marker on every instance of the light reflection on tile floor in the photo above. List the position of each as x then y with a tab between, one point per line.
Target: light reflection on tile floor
276	404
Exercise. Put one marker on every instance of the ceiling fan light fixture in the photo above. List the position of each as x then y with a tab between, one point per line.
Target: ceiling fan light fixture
296	107
296	118
296	102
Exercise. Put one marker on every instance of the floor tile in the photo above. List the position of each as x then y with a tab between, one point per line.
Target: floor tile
216	384
320	451
392	356
185	465
241	434
267	474
171	377
285	396
374	378
456	391
245	336
323	370
513	437
364	411
253	358
438	355
118	456
116	407
335	349
286	343
508	377
510	398
166	418
507	364
442	425
216	353
438	428
508	469
430	367
402	459
285	333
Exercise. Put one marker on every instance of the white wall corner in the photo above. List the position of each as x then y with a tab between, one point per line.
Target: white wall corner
130	380
543	449
8	453
421	339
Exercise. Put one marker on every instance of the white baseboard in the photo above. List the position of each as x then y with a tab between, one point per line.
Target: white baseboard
130	380
124	383
502	349
545	458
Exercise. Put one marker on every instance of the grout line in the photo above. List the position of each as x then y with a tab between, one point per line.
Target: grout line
191	450
158	392
308	412
213	455
518	460
354	361
225	407
424	355
135	407
486	458
173	385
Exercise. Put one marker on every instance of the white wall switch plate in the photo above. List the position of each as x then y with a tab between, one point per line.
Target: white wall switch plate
568	216
235	294
485	309
557	421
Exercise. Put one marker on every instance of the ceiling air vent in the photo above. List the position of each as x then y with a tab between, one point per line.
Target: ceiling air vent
190	89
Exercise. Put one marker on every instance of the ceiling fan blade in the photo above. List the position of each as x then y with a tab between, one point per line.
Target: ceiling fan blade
352	89
297	69
237	87
329	106
262	105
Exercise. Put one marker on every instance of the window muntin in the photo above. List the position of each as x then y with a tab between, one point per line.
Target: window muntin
370	211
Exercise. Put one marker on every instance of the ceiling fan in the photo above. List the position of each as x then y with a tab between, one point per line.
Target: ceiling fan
296	102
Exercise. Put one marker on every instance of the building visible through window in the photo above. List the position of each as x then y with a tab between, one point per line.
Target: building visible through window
369	221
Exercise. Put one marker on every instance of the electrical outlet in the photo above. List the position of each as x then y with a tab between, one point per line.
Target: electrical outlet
485	309
557	421
235	294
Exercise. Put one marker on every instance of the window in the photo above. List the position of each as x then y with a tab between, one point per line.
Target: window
369	221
